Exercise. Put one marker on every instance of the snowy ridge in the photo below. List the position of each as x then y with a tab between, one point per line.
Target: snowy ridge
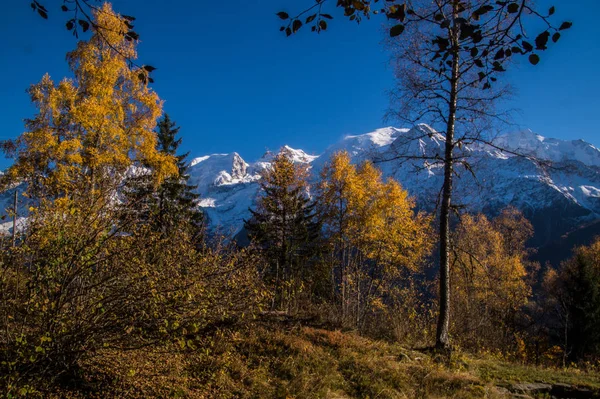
529	143
556	196
229	186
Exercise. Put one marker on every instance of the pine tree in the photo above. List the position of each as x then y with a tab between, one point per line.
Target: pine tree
177	201
284	227
172	204
574	293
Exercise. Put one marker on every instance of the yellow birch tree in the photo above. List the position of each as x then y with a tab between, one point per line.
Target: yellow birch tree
490	275
375	234
89	129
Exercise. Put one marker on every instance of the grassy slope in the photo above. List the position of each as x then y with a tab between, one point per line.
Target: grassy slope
302	362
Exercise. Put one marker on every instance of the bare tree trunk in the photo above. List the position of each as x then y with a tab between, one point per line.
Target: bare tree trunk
442	333
442	339
14	232
358	282
565	351
274	300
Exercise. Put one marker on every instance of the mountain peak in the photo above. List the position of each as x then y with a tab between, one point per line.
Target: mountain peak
299	156
228	185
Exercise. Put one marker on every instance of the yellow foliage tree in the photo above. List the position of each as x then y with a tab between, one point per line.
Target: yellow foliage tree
91	128
374	231
490	277
85	278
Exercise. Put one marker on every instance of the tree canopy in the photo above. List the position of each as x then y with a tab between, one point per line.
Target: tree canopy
92	127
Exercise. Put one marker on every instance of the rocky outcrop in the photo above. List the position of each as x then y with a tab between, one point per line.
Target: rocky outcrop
546	390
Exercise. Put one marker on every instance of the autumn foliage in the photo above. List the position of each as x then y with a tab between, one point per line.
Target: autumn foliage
373	232
91	128
113	261
490	278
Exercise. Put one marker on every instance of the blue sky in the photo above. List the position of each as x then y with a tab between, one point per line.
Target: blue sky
233	82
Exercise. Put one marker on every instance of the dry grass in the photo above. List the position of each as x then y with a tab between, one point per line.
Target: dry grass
269	362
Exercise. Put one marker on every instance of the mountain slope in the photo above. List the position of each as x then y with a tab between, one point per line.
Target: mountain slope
557	196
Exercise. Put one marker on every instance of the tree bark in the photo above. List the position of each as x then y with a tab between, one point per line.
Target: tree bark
442	333
14	232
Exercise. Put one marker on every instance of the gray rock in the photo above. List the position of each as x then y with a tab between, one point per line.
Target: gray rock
532	387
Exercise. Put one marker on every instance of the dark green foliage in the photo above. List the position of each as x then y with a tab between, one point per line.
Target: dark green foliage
585	330
284	228
573	300
173	204
581	284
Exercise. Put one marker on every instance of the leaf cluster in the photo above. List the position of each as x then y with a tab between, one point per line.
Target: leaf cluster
486	33
490	275
83	18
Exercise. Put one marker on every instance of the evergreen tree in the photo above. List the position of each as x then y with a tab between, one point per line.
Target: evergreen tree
583	284
574	292
177	201
284	228
172	204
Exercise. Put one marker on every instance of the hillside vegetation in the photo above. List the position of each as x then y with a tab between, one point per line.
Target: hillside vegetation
274	361
114	289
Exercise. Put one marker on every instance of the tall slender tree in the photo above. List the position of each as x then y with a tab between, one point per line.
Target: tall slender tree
172	204
284	227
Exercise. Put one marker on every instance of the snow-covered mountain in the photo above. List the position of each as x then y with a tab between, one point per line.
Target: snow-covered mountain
557	196
228	185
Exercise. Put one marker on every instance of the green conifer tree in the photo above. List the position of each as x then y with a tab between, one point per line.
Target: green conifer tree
285	229
575	291
172	205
